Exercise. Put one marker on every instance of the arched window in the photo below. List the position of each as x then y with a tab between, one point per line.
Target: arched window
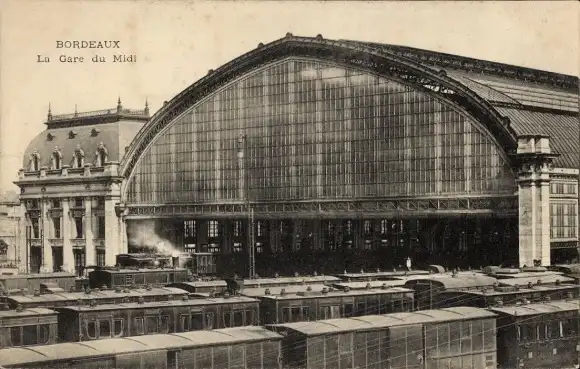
35	162
101	155
56	159
79	157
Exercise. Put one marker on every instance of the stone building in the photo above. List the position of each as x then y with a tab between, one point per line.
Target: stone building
70	183
10	236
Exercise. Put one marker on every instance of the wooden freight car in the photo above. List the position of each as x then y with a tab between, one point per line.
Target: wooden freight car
115	277
37	282
233	348
543	335
97	296
28	327
509	295
328	303
461	337
86	323
427	288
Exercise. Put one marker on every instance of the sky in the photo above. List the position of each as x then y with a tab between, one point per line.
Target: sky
177	42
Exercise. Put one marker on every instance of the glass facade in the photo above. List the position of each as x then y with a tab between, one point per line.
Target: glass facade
317	131
563	220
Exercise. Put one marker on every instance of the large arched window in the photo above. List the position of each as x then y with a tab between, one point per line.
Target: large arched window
35	162
101	155
56	159
79	157
314	130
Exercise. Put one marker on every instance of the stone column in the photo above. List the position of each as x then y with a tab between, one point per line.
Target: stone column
112	234
534	157
88	223
67	251
46	232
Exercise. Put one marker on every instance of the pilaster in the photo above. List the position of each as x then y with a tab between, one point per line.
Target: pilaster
24	255
67	251
90	258
45	235
112	234
534	159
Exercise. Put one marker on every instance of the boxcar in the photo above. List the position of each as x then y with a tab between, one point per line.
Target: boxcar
329	303
543	335
113	278
116	296
235	285
508	295
85	323
379	276
427	288
28	327
202	287
37	282
235	348
460	337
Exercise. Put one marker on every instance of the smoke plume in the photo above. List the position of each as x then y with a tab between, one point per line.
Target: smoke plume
142	235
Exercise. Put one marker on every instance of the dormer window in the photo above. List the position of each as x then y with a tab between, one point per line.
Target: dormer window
35	162
79	157
102	155
56	159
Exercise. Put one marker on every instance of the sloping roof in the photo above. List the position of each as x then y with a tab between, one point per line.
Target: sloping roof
372	322
524	281
460	281
541	308
115	136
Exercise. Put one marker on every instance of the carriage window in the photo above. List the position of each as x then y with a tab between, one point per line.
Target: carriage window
296	314
554	329
335	312
43	333
360	308
128	279
164	327
118	328
227	320
16	336
285	315
238	318
324	312
250	317
519	333
570	327
152	324
139	326
184	321
344	344
529	332
196	321
209	321
542	331
104	328
92	330
305	313
173	360
348	310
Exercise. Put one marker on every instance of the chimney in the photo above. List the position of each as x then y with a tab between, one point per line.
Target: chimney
324	291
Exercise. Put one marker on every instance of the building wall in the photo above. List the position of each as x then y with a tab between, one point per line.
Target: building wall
564	225
10	219
317	131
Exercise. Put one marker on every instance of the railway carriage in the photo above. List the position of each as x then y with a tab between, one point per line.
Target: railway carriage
97	296
311	305
28	327
447	338
236	285
233	348
543	335
217	286
116	277
37	282
380	275
93	322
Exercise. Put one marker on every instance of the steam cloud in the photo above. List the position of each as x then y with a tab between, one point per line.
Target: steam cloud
142	235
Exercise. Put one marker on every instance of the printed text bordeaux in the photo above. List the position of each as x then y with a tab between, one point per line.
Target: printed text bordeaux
89	44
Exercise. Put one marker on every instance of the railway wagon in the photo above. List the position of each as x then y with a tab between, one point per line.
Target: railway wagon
28	327
37	282
116	277
371	284
234	348
311	305
427	288
509	295
542	335
380	275
116	296
86	323
217	286
458	338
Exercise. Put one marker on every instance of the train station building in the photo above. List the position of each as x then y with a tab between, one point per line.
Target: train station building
334	154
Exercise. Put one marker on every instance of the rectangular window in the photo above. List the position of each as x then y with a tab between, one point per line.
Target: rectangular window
79	256
239	318
152	324
35	227
563	217
79	227
29	335
43	334
104	328
209	321
213	229
238	247
55	203
92	330
100	226
118	328
286	315
56	227
79	202
184	321
164	324
16	336
139	326
237	228
196	321
189	228
227	320
100	258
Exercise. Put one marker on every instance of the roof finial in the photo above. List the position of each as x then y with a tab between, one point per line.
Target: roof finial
119	106
49	112
146	106
76	111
